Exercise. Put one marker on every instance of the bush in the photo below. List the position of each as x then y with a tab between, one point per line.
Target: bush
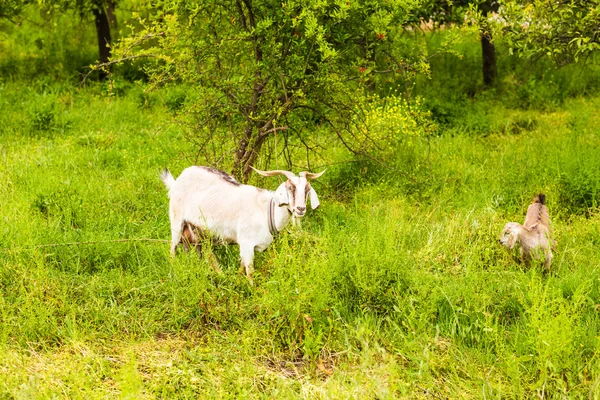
386	123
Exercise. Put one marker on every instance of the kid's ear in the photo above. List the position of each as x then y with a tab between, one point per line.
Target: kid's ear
281	196
314	199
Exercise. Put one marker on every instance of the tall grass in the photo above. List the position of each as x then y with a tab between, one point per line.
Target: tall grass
395	287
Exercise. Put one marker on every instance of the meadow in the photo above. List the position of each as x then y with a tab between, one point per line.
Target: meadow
395	287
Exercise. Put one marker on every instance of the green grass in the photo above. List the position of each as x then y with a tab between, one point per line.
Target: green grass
395	287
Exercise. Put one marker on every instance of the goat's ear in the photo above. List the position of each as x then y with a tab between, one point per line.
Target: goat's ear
314	199
281	196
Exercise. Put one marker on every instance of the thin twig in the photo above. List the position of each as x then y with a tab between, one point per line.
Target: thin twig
37	246
103	241
97	67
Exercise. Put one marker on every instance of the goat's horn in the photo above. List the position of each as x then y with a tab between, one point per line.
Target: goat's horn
275	172
310	175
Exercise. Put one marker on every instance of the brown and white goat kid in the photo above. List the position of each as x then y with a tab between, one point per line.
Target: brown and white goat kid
533	236
208	203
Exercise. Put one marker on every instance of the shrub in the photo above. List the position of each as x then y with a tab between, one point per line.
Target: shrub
384	124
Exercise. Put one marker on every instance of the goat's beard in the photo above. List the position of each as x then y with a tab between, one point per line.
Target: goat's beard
296	222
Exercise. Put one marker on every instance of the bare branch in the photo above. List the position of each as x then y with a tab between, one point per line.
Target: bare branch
278	128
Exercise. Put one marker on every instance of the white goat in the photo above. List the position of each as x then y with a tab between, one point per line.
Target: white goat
533	236
205	202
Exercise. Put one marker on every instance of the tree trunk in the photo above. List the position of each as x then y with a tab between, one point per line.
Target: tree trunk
488	51
247	152
112	17
250	159
240	153
103	32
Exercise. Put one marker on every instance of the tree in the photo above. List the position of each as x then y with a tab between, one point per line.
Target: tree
262	67
97	8
9	9
453	12
102	24
565	31
488	50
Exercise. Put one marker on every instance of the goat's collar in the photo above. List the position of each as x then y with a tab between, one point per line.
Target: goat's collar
271	218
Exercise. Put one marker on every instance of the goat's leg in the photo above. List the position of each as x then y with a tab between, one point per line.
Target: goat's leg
213	261
188	238
176	228
211	257
548	260
194	236
526	259
247	255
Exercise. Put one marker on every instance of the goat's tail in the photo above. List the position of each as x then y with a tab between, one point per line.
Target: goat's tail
540	198
167	178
